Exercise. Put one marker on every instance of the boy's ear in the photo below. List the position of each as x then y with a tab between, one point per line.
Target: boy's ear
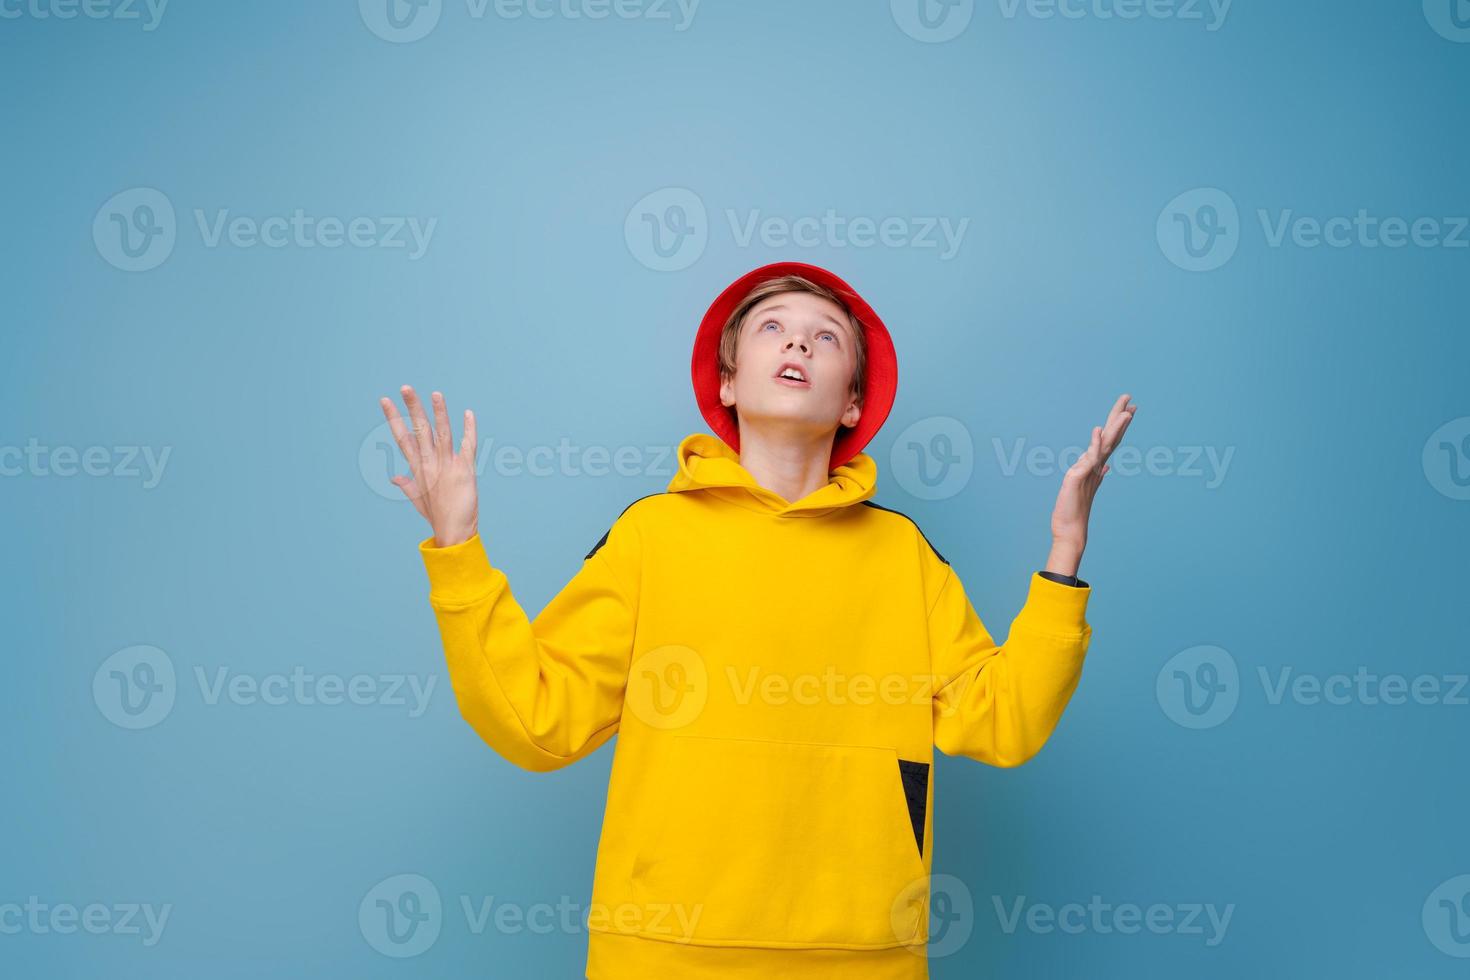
853	412
727	390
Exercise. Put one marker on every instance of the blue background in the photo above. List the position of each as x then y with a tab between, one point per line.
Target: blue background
266	546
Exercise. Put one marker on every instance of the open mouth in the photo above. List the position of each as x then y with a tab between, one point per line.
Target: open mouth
793	376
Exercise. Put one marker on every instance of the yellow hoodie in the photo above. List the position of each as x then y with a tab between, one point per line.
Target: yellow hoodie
779	673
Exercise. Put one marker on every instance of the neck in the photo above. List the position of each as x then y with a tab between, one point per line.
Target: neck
791	465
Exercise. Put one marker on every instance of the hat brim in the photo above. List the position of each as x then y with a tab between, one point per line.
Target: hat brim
879	388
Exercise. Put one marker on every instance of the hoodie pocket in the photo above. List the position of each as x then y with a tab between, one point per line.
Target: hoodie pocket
785	844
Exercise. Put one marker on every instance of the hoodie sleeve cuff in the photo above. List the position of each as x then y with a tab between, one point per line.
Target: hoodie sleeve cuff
459	574
1052	607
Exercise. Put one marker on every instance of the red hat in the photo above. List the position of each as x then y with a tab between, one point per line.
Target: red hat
879	387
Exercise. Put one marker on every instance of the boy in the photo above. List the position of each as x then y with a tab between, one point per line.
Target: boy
779	654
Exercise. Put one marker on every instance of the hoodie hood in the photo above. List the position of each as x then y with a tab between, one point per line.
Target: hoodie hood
707	463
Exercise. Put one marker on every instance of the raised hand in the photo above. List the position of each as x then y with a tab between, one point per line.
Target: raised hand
1079	486
443	484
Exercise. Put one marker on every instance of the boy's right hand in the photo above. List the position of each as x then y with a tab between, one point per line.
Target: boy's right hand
443	484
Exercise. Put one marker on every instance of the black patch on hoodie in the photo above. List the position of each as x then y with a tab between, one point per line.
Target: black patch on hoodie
915	778
869	503
603	540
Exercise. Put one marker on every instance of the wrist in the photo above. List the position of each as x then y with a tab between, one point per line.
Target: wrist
1065	556
450	538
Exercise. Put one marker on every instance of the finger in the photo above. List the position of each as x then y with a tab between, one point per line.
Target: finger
1095	450
1111	432
443	437
467	444
400	433
420	422
1116	427
409	488
1118	406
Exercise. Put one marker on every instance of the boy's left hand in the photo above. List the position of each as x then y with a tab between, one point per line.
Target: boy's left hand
1079	485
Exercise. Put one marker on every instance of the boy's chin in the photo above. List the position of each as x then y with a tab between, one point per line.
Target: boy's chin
797	425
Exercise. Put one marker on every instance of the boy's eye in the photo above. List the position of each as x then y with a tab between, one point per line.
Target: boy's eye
828	333
768	323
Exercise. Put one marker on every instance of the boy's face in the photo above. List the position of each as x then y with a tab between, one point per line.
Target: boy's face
811	333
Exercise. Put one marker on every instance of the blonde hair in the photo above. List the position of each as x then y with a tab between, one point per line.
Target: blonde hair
730	334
